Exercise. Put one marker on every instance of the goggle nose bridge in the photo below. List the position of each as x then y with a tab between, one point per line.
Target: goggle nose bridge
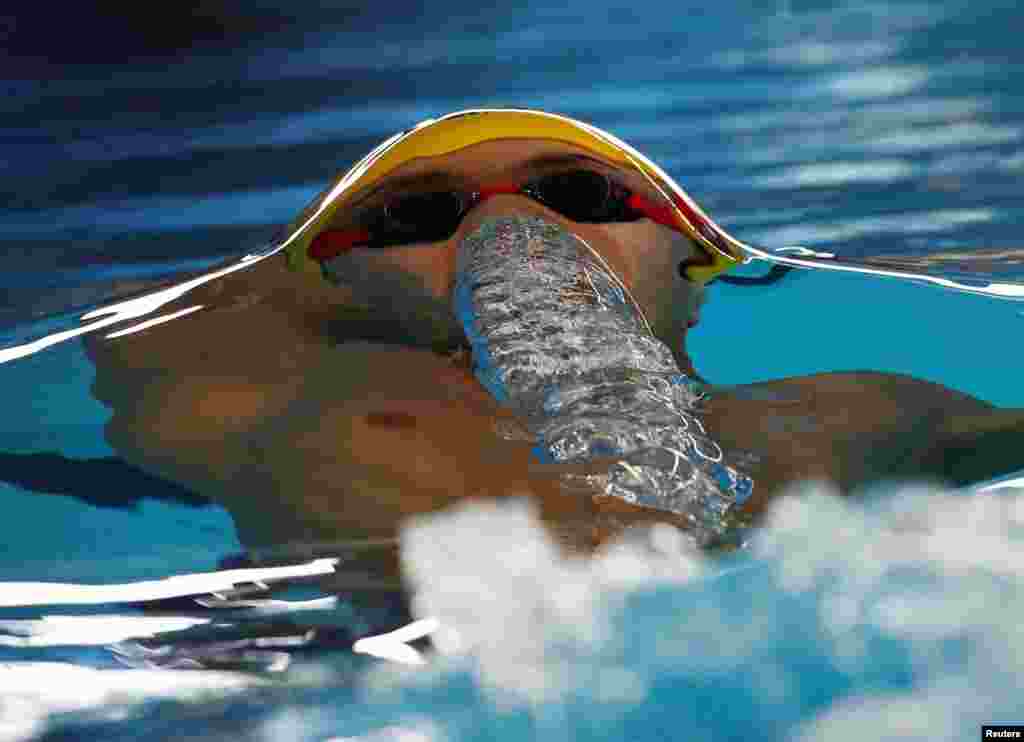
466	201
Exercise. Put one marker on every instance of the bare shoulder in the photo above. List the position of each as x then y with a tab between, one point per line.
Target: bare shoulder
855	428
307	416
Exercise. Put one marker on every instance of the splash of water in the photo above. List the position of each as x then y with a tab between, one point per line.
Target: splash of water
557	336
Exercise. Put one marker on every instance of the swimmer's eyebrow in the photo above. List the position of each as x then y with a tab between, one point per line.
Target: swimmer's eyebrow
437	180
414	182
552	161
440	179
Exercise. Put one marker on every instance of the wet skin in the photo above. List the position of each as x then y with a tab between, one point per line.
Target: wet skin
324	413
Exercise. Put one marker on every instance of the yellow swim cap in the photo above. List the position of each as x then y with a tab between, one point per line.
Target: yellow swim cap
448	134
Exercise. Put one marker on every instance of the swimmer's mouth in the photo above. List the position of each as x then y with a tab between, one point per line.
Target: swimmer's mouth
107	388
98	390
104	388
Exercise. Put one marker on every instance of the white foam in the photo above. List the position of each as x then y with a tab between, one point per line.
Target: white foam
31	691
918	581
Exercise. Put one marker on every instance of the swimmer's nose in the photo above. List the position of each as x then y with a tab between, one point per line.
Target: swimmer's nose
508	205
516	236
504	205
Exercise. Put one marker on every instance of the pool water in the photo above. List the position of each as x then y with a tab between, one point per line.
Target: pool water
889	136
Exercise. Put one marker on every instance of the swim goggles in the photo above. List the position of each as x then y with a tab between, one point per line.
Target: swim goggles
578	192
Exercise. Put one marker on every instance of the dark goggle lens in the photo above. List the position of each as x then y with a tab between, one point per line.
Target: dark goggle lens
430	216
580	195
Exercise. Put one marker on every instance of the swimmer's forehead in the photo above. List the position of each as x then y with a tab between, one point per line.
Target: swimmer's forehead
503	159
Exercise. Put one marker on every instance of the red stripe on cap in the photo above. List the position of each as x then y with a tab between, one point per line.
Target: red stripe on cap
495	189
334	242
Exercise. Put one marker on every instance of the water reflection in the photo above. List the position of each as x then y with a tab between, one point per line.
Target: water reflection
34	692
218	583
904	269
837	173
167	214
876	226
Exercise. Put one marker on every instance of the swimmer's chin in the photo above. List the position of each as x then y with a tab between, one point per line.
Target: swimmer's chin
117	435
101	392
128	439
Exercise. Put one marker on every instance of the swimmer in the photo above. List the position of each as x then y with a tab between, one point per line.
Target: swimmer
326	392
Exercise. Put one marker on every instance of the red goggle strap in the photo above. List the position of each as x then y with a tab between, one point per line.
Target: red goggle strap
333	242
666	216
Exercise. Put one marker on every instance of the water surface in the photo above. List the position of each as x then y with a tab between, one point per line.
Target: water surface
888	136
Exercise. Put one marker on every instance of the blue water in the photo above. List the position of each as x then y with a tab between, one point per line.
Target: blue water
873	132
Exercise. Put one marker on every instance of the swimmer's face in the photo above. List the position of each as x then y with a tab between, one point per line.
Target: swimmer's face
407	268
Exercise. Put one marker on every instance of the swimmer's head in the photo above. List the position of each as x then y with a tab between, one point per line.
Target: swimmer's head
388	228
